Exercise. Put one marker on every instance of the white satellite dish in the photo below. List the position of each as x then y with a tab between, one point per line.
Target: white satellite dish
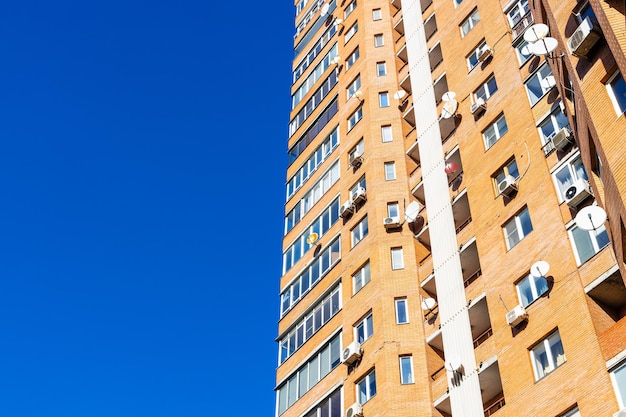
590	217
539	269
536	32
526	50
399	94
337	22
548	82
412	211
335	60
453	364
324	9
449	109
448	96
544	46
428	304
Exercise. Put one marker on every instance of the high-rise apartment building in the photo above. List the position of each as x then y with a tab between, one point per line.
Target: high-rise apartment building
455	238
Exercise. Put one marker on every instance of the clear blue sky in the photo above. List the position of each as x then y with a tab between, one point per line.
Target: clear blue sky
142	192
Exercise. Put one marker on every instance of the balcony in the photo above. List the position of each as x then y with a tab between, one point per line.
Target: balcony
399	26
461	211
430	26
521	25
425	4
402	54
470	263
435	57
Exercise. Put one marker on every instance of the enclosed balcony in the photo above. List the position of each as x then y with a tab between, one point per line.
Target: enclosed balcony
520	25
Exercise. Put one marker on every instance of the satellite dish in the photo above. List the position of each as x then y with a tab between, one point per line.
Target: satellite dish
453	364
590	217
335	60
324	9
312	238
337	22
544	46
448	96
548	82
449	108
358	94
536	32
399	94
526	50
539	269
412	211
428	304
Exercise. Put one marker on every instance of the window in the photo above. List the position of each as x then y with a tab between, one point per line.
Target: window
583	11
349	9
331	407
393	210
366	387
547	355
517	228
530	288
457	2
486	90
355	117
509	169
472	59
397	259
390	171
359	232
587	243
352	58
381	69
377	14
538	84
571	413
350	33
361	278
358	148
550	126
406	370
386	133
379	40
495	131
618	376
523	52
469	23
565	176
616	88
402	313
354	87
364	329
383	99
518	11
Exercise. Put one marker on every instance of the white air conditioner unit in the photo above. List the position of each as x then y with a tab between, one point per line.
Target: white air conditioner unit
508	186
351	353
346	209
516	316
359	195
478	105
583	38
562	139
354	410
485	52
620	413
577	193
391	222
356	159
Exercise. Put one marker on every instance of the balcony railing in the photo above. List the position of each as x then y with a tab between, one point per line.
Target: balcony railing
489	411
472	278
522	24
484	336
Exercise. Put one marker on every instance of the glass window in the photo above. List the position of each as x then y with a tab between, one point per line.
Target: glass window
361	278
364	329
349	8
457	2
390	171
517	228
354	87
469	23
393	210
352	58
366	387
616	88
486	90
386	133
530	288
522	51
397	258
359	232
379	40
618	376
406	370
509	169
402	313
472	59
572	413
350	33
495	131
547	355
539	83
550	126
383	99
587	243
355	117
377	14
381	69
565	176
518	11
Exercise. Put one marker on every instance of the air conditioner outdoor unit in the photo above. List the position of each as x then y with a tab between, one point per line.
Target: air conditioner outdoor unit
620	413
356	159
346	209
359	195
562	139
477	106
354	410
516	316
577	193
583	38
391	222
485	52
351	353
508	186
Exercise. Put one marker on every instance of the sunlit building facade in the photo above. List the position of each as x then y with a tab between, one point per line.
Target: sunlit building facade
455	218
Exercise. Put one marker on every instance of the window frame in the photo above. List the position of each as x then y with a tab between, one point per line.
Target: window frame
364	387
574	167
505	170
383	99
546	346
538	286
469	59
351	32
519	229
401	308
397	258
386	133
618	105
390	170
349	9
366	324
353	57
359	232
538	75
355	117
469	22
377	14
353	87
406	379
484	91
598	238
379	40
496	126
620	391
361	278
381	65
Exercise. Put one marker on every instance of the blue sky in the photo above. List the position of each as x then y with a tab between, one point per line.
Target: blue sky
142	191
